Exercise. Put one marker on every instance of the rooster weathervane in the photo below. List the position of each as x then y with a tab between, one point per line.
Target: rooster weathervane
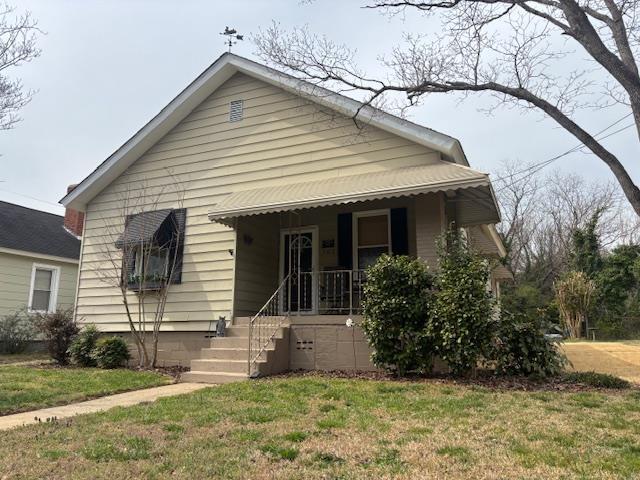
232	37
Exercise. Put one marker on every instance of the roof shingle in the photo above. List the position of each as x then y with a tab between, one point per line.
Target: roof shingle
25	229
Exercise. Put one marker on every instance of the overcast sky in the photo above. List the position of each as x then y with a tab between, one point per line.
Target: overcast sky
108	66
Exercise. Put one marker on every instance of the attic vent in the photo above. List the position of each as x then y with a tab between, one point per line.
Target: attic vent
235	111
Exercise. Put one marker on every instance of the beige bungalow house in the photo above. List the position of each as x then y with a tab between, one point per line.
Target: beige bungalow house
285	202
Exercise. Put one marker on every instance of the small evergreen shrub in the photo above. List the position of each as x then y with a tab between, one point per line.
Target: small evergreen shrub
597	380
520	348
16	331
397	298
110	352
59	329
461	319
83	345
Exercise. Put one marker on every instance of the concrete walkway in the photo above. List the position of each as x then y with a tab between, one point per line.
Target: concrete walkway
616	358
99	404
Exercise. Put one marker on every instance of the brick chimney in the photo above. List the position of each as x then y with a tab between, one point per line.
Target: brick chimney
73	219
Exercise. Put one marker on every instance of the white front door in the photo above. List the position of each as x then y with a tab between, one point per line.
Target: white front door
299	264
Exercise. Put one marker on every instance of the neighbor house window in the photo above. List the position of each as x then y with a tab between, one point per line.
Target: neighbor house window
371	237
43	293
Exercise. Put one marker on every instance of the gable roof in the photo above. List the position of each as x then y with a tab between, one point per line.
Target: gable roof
213	77
34	231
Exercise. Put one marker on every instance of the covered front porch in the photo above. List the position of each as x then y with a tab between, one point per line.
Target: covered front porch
303	249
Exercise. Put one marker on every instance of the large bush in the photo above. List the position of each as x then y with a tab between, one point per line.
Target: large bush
58	329
111	352
82	347
397	298
521	348
461	320
16	331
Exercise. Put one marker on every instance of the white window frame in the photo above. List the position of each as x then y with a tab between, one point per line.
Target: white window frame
354	226
55	283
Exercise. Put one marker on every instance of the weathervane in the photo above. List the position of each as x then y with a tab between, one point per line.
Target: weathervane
232	37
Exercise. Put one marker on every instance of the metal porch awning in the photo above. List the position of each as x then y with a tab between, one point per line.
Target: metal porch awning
473	188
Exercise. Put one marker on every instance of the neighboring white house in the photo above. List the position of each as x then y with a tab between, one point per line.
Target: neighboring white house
38	260
286	201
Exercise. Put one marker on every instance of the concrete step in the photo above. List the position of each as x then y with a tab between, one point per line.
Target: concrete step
219	365
244	321
230	342
237	331
213	377
228	353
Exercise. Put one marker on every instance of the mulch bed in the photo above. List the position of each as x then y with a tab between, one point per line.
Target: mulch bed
483	379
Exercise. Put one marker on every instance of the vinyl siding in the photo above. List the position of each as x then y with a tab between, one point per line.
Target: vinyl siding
282	138
15	282
429	225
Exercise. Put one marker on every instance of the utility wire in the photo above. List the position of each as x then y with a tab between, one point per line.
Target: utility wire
31	198
535	168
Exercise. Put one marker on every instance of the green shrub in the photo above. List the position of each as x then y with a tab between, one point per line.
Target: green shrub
397	298
16	331
520	348
59	329
110	352
82	347
461	320
597	380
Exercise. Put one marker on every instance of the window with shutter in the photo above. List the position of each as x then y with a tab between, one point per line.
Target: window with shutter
372	237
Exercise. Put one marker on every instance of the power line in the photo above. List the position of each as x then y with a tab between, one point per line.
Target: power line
31	198
535	168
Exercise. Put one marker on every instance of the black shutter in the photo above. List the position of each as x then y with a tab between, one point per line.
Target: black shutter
345	241
399	231
180	217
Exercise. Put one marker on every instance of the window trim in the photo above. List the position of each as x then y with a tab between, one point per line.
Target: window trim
55	283
354	226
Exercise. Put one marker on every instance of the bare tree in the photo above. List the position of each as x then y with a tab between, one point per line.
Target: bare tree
140	255
540	214
17	46
514	50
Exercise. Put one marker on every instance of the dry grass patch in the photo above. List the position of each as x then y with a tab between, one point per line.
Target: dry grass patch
317	427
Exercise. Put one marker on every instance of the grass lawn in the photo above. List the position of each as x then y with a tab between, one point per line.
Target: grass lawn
25	388
22	357
320	428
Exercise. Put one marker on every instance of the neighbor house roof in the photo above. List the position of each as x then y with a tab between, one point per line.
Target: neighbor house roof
356	188
213	77
23	229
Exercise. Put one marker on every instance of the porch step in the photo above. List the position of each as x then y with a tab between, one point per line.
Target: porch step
220	353
230	342
226	359
213	377
244	321
220	365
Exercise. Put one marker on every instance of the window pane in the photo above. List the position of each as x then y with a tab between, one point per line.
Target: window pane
373	230
40	300
368	256
157	260
42	279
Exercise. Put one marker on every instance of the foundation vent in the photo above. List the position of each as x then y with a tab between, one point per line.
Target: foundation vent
235	110
304	345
